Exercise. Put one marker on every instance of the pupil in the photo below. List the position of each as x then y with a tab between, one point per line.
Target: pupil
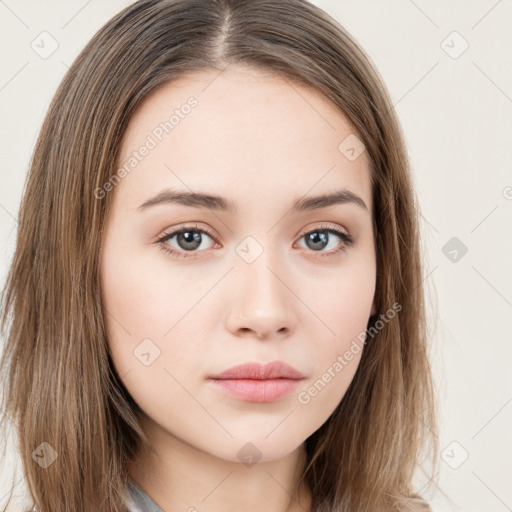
318	239
191	240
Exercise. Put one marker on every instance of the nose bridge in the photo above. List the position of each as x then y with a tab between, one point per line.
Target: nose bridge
260	280
261	301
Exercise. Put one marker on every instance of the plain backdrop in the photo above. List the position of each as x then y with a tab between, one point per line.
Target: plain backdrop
449	71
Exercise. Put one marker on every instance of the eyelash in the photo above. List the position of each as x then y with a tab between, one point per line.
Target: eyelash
346	238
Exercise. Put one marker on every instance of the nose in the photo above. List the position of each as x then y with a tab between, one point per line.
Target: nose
261	303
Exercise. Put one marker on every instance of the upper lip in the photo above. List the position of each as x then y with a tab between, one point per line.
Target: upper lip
273	370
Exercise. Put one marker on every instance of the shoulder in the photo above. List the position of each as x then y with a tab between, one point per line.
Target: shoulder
139	500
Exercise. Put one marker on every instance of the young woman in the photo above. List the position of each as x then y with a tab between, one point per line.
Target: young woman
216	299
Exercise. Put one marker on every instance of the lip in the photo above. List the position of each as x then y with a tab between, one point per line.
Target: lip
253	382
257	371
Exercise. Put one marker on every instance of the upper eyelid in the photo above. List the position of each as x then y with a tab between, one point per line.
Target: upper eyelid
196	227
172	232
322	226
300	234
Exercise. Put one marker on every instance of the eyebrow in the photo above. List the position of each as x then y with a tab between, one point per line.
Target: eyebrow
200	200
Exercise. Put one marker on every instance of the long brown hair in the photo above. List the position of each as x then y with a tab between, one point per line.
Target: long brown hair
60	385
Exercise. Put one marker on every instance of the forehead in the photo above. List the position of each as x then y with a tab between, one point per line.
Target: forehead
241	130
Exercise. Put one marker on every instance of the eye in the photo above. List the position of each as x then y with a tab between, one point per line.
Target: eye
188	239
321	237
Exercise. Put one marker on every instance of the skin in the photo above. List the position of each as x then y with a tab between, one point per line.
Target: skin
262	143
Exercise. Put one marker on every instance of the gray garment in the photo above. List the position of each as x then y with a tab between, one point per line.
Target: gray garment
140	501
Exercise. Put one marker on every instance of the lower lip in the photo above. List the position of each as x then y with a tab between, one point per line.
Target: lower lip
259	391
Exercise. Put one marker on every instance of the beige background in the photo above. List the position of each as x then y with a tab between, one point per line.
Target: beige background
455	104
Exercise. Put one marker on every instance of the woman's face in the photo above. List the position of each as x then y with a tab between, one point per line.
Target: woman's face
253	278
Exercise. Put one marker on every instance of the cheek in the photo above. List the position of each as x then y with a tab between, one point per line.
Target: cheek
343	301
343	307
141	297
337	356
151	307
133	304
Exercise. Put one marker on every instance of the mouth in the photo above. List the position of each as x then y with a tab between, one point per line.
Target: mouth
253	382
